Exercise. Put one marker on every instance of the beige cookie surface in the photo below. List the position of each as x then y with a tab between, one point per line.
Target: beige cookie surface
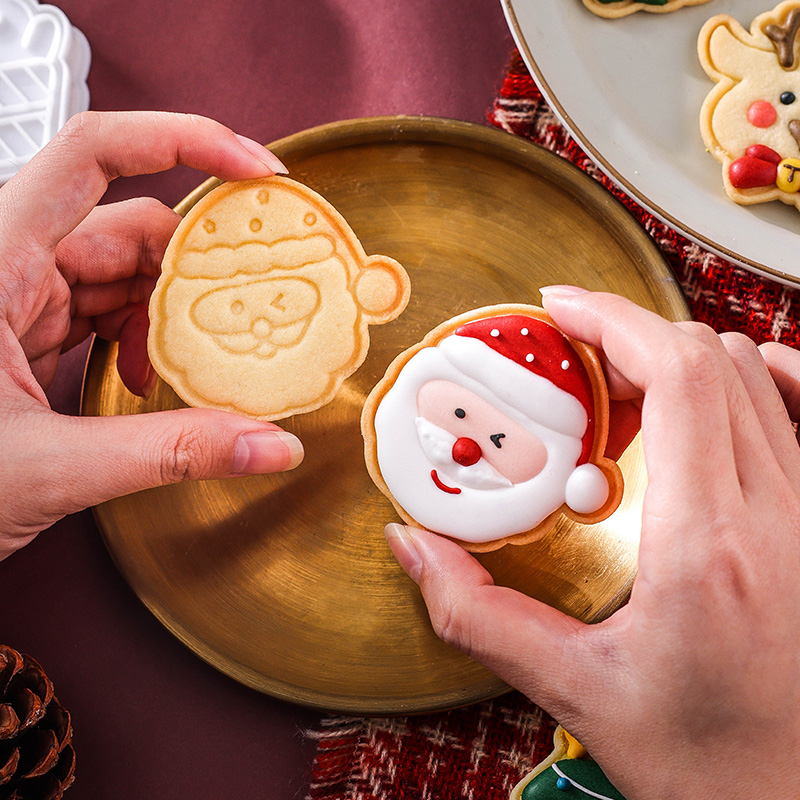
622	8
490	427
750	120
264	301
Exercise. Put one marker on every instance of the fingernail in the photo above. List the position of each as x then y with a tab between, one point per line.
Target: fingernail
561	290
260	452
266	157
404	549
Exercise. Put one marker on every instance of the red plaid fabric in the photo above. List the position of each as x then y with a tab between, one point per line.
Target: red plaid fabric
481	752
474	753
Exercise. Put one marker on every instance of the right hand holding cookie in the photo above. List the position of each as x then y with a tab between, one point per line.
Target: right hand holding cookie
68	269
693	688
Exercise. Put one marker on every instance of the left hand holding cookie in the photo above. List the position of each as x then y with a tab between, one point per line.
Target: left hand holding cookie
692	689
68	269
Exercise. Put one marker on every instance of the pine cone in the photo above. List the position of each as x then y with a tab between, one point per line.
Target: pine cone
37	761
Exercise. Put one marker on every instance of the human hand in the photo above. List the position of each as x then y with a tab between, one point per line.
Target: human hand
693	688
68	269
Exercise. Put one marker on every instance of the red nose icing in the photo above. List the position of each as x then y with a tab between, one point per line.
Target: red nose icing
466	451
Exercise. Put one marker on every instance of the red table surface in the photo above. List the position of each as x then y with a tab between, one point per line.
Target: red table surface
150	718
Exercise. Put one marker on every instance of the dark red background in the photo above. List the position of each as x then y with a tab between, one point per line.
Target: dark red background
152	720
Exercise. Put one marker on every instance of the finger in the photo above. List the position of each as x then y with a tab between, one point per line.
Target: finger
44	367
100	309
107	326
41	342
521	640
128	326
109	262
118	455
16	373
685	412
619	387
754	456
116	242
133	363
766	401
100	299
783	364
56	190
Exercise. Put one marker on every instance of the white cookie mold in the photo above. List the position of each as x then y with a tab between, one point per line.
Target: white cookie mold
44	61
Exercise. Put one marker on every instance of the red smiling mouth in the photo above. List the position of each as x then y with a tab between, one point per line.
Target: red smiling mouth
443	487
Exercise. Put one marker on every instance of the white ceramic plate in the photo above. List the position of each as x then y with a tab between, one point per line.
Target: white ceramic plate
630	90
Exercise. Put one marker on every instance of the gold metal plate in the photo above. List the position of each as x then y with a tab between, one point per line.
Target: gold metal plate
285	582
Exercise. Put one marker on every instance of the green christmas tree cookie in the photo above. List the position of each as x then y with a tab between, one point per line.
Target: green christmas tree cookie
566	774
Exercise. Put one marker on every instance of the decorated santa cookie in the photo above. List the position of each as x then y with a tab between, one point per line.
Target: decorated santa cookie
568	773
750	121
621	8
490	427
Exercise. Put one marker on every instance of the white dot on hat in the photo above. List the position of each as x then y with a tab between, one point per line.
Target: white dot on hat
494	332
524	331
529	357
565	364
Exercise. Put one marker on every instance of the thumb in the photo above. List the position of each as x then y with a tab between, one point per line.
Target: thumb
533	647
118	455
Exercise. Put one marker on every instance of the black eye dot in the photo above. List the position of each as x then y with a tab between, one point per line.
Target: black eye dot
787	98
460	413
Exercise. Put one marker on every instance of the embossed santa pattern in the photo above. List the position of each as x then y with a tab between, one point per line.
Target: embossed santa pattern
265	300
490	428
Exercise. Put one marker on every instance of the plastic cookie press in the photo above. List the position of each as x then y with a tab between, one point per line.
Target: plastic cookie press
44	62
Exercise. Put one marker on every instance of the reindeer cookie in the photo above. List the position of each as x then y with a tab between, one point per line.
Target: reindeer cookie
750	120
264	300
621	8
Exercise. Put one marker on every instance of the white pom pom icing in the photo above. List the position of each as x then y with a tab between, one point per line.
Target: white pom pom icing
587	489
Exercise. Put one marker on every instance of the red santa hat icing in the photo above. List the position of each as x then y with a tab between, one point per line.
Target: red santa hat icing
543	351
532	367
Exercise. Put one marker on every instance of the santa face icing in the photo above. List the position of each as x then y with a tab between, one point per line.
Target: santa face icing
488	433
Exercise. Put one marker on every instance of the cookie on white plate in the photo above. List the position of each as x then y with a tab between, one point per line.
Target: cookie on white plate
622	8
750	120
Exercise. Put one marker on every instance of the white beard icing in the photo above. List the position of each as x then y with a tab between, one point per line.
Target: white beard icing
437	444
476	514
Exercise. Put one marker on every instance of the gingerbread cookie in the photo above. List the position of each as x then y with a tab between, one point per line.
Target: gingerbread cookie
750	121
264	300
490	427
568	772
621	8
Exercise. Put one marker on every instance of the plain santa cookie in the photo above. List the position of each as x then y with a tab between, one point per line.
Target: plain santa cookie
621	8
264	301
490	427
750	121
